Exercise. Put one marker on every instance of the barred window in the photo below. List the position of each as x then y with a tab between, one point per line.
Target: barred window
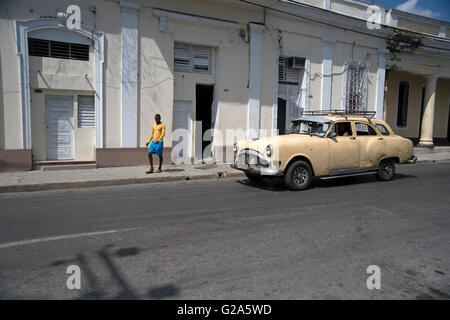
189	58
355	97
289	70
57	49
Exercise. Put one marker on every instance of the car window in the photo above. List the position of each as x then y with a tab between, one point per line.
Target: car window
343	129
363	129
382	130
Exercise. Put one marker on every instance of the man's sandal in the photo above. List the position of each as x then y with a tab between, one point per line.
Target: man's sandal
149	171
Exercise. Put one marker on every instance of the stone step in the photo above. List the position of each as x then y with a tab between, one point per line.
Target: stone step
65	166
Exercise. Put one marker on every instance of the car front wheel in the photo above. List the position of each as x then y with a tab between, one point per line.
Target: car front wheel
298	176
386	170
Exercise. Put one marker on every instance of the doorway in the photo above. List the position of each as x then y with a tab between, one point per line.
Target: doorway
281	116
448	124
60	127
422	106
204	95
182	118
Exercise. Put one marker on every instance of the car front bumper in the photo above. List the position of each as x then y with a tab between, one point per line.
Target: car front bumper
253	162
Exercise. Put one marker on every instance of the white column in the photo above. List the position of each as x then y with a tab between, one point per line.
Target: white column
426	135
254	102
129	73
381	77
327	4
327	69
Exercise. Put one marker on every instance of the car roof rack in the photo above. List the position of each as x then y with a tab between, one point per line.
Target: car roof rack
343	113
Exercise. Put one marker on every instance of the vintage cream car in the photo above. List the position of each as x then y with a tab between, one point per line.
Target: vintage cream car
325	144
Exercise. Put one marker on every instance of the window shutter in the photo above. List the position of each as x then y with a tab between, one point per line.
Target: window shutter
181	58
281	69
292	75
201	58
286	74
86	112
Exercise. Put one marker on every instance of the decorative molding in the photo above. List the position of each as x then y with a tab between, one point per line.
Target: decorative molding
276	57
162	23
327	69
129	74
126	4
431	79
254	103
391	19
381	78
443	31
164	14
23	28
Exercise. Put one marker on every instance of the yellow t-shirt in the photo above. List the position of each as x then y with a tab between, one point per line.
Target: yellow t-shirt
158	132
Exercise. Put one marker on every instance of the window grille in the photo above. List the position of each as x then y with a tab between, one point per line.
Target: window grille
355	88
286	74
57	49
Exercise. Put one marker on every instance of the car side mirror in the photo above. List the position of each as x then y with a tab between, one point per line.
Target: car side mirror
332	134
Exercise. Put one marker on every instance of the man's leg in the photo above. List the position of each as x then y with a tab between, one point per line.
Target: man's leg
160	162
150	159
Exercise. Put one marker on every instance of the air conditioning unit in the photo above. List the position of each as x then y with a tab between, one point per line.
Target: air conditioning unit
296	63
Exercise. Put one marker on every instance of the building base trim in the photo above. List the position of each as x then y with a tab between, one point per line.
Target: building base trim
15	160
126	157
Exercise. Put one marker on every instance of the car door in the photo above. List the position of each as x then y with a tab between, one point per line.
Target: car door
344	149
371	145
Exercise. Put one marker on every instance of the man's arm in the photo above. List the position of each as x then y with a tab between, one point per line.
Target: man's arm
151	137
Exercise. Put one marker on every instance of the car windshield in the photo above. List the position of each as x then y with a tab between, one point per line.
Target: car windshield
309	127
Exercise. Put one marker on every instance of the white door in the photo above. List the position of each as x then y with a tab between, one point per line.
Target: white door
181	136
60	128
290	93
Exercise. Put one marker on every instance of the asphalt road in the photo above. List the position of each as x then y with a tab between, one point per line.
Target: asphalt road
230	239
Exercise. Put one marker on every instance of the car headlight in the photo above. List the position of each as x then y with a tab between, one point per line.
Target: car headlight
269	150
235	147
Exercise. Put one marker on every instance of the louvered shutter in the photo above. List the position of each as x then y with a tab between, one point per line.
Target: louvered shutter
181	58
281	69
86	112
201	58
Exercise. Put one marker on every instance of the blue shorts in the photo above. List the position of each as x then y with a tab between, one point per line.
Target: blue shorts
156	148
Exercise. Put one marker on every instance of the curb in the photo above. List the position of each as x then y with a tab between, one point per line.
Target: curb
116	182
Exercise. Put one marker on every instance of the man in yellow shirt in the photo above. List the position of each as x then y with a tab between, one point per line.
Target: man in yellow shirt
156	143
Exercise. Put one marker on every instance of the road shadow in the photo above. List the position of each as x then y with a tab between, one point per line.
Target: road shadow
167	291
352	180
91	278
277	184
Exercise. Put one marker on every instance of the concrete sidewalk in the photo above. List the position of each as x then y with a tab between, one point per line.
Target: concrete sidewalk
69	179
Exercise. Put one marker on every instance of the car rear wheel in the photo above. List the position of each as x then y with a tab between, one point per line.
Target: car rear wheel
386	170
298	176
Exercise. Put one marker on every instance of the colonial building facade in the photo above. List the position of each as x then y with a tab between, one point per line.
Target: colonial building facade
89	93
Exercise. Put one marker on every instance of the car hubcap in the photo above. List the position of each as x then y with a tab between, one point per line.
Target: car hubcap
387	170
300	176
